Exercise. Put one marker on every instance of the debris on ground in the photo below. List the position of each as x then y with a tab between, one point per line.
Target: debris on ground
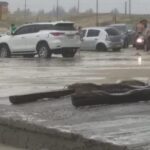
86	94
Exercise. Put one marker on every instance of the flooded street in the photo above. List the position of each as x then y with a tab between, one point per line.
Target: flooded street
126	124
27	75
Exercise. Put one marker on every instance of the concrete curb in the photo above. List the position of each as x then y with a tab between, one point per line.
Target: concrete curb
29	136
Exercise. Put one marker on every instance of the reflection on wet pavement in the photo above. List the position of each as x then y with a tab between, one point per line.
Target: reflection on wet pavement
27	75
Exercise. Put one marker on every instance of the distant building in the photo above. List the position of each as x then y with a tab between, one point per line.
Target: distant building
3	10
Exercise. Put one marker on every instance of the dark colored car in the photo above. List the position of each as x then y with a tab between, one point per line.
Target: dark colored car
127	34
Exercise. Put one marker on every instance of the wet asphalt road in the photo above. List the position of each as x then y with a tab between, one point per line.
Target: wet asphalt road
27	75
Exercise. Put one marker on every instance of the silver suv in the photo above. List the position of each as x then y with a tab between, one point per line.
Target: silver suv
43	39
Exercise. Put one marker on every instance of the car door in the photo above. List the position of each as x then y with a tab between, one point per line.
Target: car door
34	35
91	38
31	38
17	41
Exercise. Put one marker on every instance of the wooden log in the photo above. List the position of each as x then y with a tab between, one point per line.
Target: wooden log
136	83
89	88
20	99
102	97
110	88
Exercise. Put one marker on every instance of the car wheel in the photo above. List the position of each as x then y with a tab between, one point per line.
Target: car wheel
101	47
4	51
44	51
69	53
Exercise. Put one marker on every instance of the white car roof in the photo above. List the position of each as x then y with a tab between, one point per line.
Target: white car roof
50	23
118	24
96	28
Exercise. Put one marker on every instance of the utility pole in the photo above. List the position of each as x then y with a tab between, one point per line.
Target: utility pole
130	8
97	12
25	10
78	6
57	9
125	8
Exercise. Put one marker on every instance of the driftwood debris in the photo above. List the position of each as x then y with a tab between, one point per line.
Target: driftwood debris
83	94
121	87
102	97
20	99
123	92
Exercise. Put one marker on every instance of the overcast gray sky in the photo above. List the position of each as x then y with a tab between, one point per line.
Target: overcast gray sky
138	6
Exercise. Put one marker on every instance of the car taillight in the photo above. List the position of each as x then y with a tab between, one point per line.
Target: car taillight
57	33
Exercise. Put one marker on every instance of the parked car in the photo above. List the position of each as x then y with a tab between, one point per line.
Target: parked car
101	39
127	34
43	39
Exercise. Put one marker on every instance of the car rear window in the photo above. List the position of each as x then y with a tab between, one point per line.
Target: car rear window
93	33
122	29
112	32
65	26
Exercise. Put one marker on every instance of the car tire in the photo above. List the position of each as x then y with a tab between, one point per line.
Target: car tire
5	52
44	51
101	48
69	54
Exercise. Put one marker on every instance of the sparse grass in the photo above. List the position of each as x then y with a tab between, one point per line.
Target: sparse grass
83	19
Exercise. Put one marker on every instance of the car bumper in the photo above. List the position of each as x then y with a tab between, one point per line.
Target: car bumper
114	45
58	45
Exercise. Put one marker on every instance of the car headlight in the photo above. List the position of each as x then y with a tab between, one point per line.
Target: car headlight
139	40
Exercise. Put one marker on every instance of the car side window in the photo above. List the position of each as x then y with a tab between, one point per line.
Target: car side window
25	30
93	33
22	30
32	29
65	26
45	27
